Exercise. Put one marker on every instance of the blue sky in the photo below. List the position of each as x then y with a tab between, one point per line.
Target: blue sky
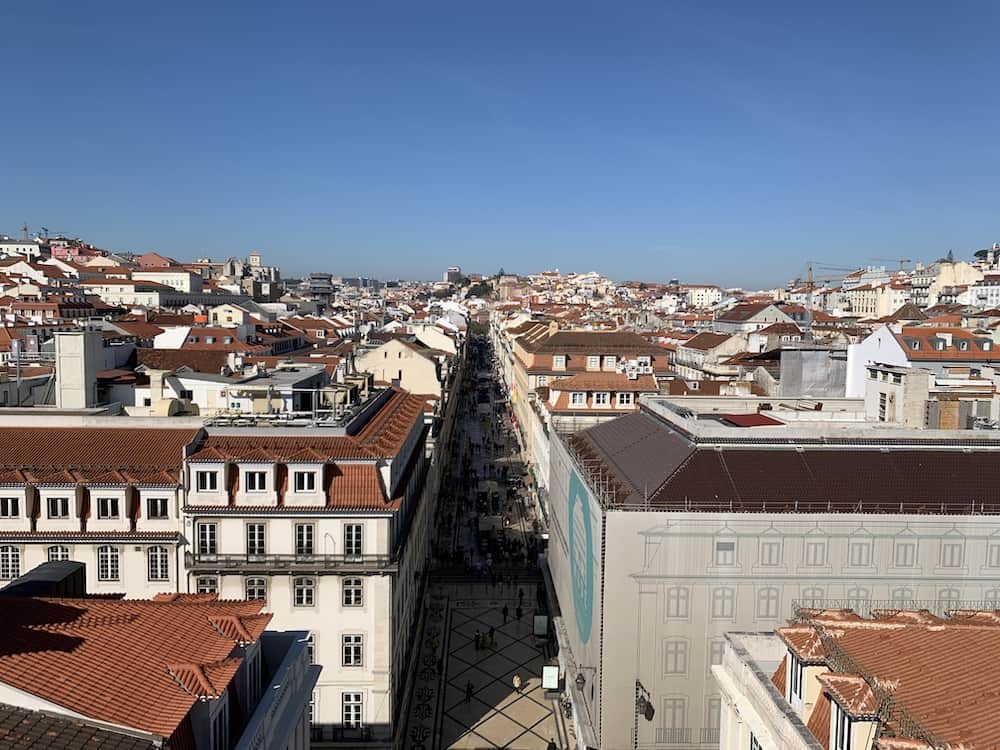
723	142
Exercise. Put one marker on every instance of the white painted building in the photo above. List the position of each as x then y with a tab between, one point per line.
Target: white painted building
669	531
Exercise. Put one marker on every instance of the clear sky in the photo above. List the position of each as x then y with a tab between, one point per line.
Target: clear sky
723	142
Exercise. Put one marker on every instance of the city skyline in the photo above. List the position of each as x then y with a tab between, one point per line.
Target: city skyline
715	145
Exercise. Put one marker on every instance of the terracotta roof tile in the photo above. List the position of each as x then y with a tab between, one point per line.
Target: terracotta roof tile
135	663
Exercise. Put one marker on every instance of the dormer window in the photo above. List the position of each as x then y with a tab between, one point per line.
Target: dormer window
939	345
796	672
578	398
559	362
841	729
9	507
914	345
610	362
963	346
594	362
256	481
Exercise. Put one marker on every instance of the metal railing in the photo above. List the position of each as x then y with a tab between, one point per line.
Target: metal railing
710	736
673	736
291	563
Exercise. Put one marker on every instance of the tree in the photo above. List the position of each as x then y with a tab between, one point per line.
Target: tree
482	289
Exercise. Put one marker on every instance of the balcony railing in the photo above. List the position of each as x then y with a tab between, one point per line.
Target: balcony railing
672	736
292	563
710	736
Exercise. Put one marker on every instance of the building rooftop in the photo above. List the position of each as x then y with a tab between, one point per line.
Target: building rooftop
663	458
21	728
141	664
920	676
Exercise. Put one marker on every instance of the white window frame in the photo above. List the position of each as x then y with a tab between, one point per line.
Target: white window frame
208	538
10	507
952	553
352	710
716	652
993	555
723	603
593	362
624	398
815	553
770	552
353	591
675	656
108	508
304	591
255	534
255	587
841	739
157	504
725	557
904	553
602	398
157	563
109	563
354	539
678	602
578	398
352	650
609	362
206	480
559	362
305	539
62	509
207	584
10	562
860	554
768	602
55	552
305	481
255	481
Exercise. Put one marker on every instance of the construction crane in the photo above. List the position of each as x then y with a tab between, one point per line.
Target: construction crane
902	261
811	284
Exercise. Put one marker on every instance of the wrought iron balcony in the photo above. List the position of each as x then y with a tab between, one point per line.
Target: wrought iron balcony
673	736
317	564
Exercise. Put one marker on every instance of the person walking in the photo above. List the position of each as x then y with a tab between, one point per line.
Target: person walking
492	643
505	612
518	612
516	681
551	745
479	640
520	597
468	691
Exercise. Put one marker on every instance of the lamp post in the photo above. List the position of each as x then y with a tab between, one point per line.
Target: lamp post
643	706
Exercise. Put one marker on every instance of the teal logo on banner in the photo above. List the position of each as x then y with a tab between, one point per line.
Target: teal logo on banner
581	557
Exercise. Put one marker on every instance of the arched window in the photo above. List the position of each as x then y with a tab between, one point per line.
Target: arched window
354	589
207	585
813	596
858	598
256	588
677	602
948	598
10	562
108	563
768	599
723	602
903	596
304	592
159	563
58	552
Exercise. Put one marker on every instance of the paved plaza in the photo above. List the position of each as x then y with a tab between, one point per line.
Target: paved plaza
495	715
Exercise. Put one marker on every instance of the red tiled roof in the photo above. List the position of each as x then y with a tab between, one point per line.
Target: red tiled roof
135	663
281	448
851	693
605	381
138	454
